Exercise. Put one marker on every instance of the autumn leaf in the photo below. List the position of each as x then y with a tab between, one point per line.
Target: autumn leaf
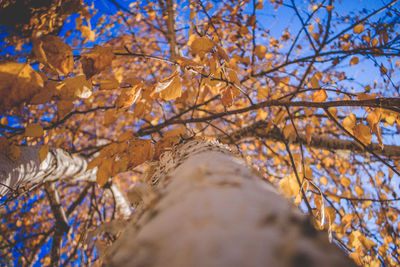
34	130
141	150
76	87
289	185
315	82
320	96
349	123
345	181
18	83
309	131
363	133
202	45
97	60
260	51
228	95
358	28
170	87
128	96
354	61
104	171
51	51
43	151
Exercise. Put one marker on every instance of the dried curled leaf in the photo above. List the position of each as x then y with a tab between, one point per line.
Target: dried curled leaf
18	83
97	60
54	53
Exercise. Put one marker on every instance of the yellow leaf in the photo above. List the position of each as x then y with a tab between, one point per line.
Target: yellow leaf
140	151
97	60
34	130
320	96
228	95
128	96
4	120
170	88
309	131
329	8
202	45
259	4
289	185
359	191
42	97
262	93
356	258
64	107
354	61
324	180
363	133
349	122
314	82
110	116
18	83
179	131
43	151
260	51
94	163
345	181
76	87
358	28
192	15
109	84
289	132
87	33
104	171
51	51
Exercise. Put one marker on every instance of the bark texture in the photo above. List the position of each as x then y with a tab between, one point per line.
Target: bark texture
59	165
208	208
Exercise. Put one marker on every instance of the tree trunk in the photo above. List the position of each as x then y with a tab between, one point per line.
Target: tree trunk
208	208
59	165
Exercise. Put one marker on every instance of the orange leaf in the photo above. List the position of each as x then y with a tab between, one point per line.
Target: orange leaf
354	61
170	87
51	51
97	60
140	151
363	133
320	96
358	28
43	151
202	45
34	130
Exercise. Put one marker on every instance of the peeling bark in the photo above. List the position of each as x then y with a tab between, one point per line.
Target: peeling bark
59	165
211	209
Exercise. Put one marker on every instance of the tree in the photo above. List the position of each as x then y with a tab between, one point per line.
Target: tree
99	106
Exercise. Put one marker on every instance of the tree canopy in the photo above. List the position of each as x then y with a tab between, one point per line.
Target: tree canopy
306	91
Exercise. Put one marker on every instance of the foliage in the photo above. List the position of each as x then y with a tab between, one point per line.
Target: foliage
307	92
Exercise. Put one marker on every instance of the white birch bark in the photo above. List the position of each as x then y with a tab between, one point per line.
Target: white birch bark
208	208
58	165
